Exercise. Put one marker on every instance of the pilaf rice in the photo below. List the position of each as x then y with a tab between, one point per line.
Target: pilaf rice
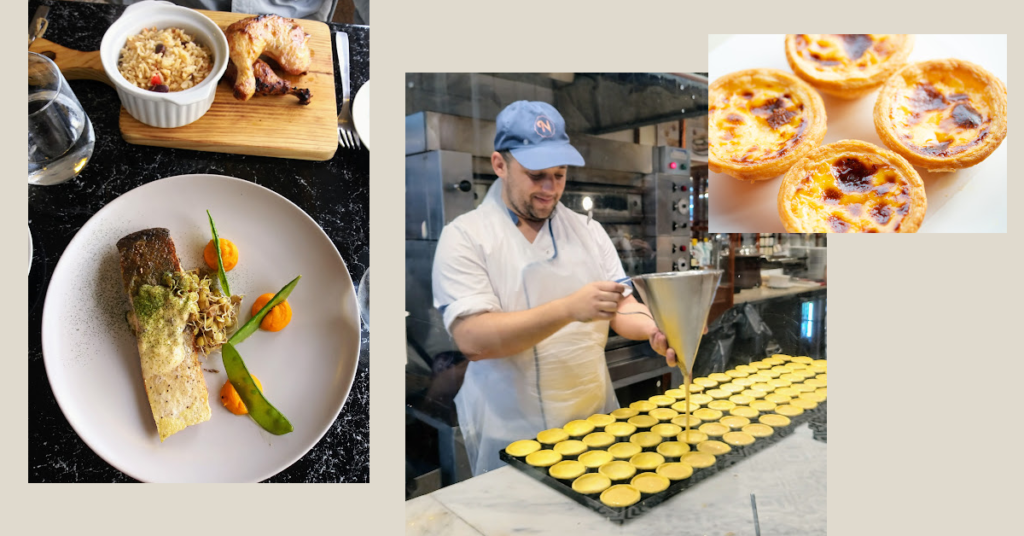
164	60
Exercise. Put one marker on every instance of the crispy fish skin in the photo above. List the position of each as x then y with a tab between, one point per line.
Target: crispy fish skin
178	397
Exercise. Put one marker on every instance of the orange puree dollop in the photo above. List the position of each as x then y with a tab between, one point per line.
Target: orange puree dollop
277	318
228	253
229	397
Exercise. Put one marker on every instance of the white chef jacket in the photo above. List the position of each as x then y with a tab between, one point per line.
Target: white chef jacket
483	263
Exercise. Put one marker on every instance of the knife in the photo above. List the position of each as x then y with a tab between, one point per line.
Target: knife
39	23
341	40
347	135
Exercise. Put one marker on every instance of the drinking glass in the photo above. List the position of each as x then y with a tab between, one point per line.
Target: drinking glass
60	136
363	297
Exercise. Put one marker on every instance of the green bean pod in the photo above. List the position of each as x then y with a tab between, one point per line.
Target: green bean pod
221	275
261	411
253	324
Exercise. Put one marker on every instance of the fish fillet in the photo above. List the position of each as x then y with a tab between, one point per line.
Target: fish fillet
176	389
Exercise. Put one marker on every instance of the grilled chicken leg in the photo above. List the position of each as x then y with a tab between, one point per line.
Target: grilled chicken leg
279	38
268	83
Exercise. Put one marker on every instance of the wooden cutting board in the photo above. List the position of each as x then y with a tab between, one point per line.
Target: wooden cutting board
265	126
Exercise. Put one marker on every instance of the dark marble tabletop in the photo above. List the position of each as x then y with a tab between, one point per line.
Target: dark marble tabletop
334	193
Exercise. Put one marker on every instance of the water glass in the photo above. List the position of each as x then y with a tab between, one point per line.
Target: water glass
60	135
363	297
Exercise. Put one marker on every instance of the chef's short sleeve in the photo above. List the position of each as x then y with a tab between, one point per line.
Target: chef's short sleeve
609	258
460	282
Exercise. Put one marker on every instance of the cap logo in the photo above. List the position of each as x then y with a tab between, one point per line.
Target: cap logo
542	126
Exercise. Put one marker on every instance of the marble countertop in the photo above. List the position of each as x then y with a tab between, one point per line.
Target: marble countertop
764	293
334	193
789	480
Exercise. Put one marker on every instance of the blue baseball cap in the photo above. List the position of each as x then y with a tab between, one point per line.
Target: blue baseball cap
534	132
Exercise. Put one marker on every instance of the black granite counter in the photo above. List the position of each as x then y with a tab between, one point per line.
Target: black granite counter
335	193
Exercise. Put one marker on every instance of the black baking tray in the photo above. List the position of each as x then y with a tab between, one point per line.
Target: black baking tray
648	502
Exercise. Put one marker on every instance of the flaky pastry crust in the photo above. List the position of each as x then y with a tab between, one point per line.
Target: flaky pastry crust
847	66
852	186
761	122
942	115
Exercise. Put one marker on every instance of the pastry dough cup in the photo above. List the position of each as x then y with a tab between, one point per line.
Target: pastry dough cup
650	483
567	470
815	221
570	449
591	483
992	93
620	496
522	448
593	459
813	114
844	82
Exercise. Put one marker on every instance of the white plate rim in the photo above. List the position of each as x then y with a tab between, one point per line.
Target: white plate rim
349	374
361	114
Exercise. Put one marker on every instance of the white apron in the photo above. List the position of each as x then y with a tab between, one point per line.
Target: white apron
564	377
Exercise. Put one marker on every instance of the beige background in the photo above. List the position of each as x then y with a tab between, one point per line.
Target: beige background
924	330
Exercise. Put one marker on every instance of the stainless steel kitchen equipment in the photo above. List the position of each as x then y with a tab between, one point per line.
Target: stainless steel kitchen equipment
679	303
669	206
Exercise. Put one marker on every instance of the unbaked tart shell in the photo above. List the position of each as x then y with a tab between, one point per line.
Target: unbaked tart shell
942	115
762	121
852	186
847	66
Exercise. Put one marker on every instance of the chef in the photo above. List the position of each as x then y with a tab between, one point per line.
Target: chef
528	289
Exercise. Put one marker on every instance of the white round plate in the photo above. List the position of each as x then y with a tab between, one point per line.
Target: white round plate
361	113
30	250
92	360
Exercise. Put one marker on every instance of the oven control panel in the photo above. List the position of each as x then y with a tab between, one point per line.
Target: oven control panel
669	208
672	161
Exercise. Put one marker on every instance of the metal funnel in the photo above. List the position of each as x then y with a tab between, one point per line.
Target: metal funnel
679	302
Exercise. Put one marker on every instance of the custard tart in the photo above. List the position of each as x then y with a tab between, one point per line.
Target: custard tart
847	66
942	115
852	186
762	121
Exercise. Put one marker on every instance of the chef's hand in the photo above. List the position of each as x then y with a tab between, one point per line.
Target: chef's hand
595	301
660	344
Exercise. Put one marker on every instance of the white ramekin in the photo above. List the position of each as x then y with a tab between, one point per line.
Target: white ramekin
164	110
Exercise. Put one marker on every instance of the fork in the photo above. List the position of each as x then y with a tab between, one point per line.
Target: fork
347	135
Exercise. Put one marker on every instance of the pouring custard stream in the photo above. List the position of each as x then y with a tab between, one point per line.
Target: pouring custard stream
686	392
